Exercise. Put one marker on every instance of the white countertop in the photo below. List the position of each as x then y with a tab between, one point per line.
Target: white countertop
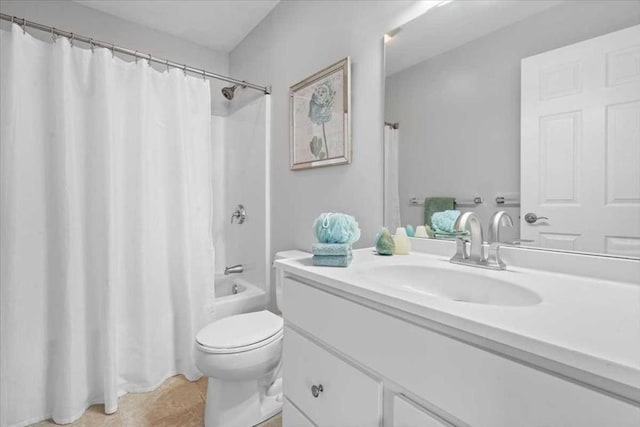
588	329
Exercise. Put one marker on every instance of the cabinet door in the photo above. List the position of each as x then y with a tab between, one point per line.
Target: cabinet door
407	414
328	390
291	417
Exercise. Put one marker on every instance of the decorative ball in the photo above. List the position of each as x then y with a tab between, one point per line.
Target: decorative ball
336	228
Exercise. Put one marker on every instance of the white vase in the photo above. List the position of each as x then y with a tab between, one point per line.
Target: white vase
401	242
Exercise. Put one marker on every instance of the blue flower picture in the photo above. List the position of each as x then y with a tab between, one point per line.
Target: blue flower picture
320	125
320	108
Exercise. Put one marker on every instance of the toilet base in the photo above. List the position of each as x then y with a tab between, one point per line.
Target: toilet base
271	406
239	404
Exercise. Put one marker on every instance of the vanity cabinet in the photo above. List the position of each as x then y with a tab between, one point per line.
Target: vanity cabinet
373	367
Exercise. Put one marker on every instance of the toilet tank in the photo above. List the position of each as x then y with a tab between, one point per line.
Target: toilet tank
290	254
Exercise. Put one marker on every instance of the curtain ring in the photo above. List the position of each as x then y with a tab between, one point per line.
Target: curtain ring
149	59
24	24
53	34
13	19
73	36
204	74
135	55
184	69
113	50
91	45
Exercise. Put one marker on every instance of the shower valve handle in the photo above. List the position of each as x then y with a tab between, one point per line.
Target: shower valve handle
240	214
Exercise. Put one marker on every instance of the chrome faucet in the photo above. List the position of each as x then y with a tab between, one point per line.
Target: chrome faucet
478	253
498	219
238	268
469	222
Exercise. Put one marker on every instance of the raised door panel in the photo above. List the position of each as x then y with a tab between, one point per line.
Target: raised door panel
560	158
560	80
348	397
623	66
623	153
622	245
565	242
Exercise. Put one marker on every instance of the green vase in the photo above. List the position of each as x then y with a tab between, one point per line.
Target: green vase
384	244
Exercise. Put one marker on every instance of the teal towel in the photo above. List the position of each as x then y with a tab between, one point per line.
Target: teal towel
334	249
437	204
332	261
444	222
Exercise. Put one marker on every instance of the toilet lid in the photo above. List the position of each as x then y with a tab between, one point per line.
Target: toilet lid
241	330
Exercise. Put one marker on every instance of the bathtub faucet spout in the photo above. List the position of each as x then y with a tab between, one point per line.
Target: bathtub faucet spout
233	269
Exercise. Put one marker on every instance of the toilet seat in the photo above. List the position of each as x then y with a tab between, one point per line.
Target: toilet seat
237	350
239	333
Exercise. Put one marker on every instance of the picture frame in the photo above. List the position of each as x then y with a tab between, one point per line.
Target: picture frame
320	118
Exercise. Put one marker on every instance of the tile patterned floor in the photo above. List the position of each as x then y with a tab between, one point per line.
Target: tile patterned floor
176	403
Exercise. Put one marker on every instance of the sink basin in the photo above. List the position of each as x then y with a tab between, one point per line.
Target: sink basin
453	285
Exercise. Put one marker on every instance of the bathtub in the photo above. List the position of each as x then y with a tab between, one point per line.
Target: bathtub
235	295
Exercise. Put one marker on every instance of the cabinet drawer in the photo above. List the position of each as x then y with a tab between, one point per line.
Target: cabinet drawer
291	417
477	387
407	414
349	397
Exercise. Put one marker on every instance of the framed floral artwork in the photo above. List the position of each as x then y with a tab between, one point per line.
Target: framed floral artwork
320	108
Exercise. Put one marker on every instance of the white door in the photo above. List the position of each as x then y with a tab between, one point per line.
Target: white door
580	148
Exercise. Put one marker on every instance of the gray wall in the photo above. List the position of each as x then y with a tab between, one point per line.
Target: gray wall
294	41
459	112
79	19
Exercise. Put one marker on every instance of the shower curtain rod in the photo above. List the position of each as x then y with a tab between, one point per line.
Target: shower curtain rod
113	48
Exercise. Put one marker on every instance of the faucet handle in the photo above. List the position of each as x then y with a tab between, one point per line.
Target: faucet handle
492	254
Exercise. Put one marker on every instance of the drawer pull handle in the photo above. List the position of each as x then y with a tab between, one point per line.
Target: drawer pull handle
316	390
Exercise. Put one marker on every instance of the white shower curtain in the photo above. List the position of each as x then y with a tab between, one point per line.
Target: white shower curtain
391	184
106	251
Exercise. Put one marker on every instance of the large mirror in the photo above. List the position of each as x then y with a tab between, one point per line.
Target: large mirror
532	107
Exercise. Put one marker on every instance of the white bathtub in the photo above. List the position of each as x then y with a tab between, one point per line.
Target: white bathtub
247	299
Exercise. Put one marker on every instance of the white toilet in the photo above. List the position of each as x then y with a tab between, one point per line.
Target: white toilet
241	356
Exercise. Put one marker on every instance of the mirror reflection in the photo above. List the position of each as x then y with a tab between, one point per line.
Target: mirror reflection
528	107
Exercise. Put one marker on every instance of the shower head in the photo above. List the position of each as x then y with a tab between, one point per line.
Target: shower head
229	91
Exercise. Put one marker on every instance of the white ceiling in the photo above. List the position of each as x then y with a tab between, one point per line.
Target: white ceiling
453	24
219	25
